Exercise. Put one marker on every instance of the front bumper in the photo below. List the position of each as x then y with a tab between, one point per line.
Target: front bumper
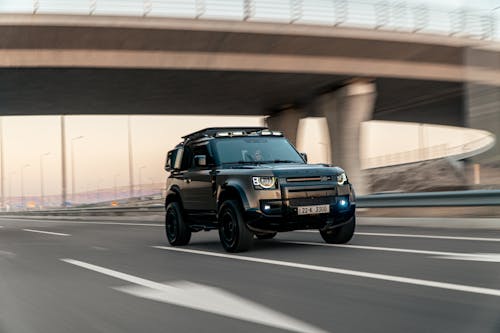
281	214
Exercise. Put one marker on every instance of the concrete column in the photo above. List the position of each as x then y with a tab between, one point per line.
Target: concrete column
482	99
286	121
345	109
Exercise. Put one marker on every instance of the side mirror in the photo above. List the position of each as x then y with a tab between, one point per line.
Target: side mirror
200	160
168	161
304	156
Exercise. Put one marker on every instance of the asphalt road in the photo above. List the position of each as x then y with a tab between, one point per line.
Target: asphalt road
122	276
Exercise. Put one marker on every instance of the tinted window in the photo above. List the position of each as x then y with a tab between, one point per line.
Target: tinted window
187	156
202	150
256	149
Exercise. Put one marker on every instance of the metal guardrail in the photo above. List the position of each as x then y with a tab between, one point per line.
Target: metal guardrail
382	14
431	199
383	200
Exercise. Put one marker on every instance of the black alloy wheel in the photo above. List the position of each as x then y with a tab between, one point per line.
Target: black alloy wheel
340	235
178	233
233	232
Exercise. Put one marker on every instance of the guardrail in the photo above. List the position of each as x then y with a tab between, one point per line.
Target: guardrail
431	199
383	200
382	14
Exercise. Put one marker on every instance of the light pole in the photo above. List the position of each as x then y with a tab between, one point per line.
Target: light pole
73	166
10	188
42	201
22	184
2	166
130	159
115	185
140	178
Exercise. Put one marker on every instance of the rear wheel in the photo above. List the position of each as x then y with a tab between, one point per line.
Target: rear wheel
233	232
265	235
178	233
341	234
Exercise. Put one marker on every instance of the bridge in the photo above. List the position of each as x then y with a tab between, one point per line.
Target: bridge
147	60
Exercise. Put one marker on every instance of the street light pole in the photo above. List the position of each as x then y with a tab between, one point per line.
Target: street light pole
42	201
64	189
73	166
10	188
2	166
140	178
22	184
115	185
130	159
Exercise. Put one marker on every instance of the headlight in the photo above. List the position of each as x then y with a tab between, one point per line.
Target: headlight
264	182
342	178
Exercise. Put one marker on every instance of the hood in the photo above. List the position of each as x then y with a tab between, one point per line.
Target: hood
282	170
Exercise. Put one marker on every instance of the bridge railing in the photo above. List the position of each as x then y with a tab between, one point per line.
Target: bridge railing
383	14
456	152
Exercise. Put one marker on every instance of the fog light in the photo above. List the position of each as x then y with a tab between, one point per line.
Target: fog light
343	203
267	207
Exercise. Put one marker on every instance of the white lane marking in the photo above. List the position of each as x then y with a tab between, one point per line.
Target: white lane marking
47	232
1	226
203	298
489	257
103	223
392	278
7	254
483	239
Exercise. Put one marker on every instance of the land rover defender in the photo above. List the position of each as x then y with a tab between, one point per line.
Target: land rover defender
251	182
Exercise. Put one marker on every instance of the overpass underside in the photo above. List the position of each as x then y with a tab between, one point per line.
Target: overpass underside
54	91
86	65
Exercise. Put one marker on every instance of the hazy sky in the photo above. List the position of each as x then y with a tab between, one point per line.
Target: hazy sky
102	153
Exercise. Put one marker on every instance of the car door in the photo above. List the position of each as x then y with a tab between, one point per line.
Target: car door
200	182
198	187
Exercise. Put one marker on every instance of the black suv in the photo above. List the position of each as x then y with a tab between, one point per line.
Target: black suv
251	181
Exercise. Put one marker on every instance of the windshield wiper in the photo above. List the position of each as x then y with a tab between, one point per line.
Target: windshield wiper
243	162
280	161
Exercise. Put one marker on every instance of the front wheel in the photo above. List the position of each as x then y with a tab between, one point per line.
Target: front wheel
340	235
178	233
233	232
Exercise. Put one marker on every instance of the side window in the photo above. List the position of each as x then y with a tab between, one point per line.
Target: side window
173	159
201	150
187	156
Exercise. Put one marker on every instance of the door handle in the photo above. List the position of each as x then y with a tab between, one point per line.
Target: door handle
187	180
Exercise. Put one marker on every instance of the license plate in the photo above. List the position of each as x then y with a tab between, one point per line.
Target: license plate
307	210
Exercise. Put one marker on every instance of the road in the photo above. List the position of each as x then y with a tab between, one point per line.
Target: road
122	276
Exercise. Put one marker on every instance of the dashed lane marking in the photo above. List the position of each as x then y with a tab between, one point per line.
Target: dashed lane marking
482	239
376	276
203	298
47	232
486	257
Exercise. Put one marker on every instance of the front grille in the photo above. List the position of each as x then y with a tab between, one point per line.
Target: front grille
303	179
311	201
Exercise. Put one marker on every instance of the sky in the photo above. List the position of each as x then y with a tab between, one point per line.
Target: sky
101	156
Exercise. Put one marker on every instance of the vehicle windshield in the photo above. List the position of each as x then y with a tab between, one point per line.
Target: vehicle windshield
254	150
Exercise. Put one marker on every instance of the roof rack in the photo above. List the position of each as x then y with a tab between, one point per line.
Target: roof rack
212	131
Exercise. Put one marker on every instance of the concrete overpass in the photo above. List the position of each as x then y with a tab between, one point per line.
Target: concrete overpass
61	64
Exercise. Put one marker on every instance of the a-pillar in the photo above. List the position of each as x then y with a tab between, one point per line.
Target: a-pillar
345	110
286	121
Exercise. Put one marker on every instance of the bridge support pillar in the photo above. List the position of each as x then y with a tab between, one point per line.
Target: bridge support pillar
286	121
345	109
483	112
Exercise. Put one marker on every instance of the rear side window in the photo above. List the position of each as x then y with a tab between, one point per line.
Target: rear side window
202	150
174	159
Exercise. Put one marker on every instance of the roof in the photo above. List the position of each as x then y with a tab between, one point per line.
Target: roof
211	131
